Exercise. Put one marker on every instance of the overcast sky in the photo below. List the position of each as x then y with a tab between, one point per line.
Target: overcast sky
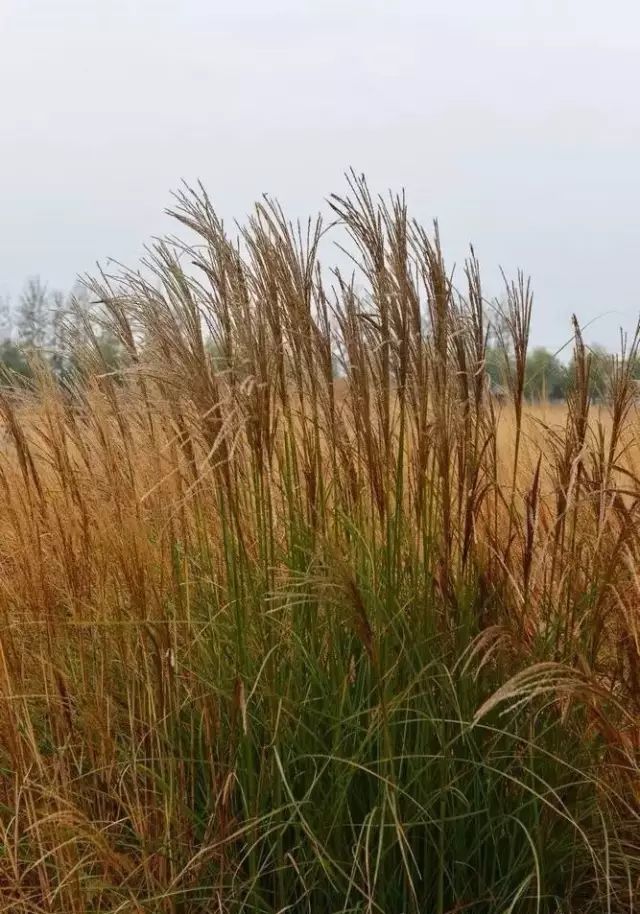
515	122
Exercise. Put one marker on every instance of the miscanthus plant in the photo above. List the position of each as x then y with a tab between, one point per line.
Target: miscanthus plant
296	614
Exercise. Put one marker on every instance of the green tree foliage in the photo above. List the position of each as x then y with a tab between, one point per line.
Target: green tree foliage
601	362
50	325
496	365
600	369
12	362
546	377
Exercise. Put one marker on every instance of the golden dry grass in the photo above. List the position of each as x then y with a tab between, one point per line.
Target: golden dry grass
200	553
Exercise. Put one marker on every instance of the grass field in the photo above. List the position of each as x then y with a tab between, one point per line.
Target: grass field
296	618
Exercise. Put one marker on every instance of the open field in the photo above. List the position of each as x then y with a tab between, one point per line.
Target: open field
277	640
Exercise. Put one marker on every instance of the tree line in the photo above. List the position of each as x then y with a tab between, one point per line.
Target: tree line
48	325
547	377
54	325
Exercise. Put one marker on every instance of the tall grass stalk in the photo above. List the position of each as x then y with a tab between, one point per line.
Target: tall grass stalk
296	616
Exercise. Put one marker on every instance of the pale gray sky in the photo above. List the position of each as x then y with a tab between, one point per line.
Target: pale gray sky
515	122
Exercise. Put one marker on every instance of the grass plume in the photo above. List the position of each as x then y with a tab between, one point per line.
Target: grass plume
296	615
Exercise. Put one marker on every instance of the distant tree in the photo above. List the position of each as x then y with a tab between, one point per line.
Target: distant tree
6	318
63	329
57	341
110	349
12	362
74	328
600	370
599	373
499	351
88	341
499	333
496	365
33	314
545	376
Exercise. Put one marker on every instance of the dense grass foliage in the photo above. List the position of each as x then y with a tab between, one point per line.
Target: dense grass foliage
296	616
